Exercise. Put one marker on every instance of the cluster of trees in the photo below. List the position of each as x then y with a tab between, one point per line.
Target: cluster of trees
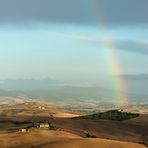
110	115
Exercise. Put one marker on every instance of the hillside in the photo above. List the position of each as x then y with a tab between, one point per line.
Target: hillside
25	115
58	139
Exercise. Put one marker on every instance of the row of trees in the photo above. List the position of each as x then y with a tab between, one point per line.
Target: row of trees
111	115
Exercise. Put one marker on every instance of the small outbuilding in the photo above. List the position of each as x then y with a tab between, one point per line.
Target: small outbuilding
23	130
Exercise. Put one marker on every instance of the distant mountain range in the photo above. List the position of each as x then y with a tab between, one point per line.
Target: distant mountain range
27	84
73	94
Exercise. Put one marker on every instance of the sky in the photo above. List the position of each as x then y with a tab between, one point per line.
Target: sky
81	42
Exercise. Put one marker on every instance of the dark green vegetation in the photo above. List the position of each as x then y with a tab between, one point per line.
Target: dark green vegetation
110	115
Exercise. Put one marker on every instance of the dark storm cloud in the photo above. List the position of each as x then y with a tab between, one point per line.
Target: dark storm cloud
134	77
66	11
114	12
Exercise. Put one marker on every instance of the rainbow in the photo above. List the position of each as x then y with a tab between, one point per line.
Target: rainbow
113	61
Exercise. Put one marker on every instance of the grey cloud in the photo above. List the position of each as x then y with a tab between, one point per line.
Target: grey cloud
113	12
132	46
137	46
134	76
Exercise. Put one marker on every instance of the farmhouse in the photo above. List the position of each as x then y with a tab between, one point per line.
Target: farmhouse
44	125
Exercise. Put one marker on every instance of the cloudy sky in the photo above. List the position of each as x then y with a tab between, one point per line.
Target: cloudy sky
76	41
